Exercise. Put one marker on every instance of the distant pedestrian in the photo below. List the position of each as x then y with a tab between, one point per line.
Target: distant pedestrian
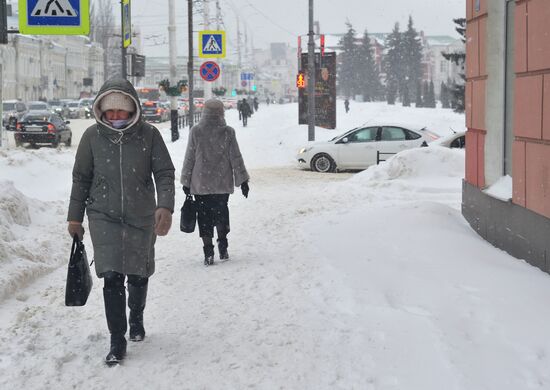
256	103
246	111
213	166
346	105
117	159
240	108
267	101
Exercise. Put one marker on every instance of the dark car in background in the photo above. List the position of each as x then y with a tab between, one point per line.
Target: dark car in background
154	111
59	107
42	127
86	104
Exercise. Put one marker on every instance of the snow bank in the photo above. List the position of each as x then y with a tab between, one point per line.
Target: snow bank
35	187
417	163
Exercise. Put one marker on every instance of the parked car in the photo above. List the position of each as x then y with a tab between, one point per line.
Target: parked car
12	109
59	107
76	111
154	111
43	127
358	148
455	140
38	106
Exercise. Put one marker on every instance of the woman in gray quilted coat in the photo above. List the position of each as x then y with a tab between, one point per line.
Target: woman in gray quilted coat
116	162
213	166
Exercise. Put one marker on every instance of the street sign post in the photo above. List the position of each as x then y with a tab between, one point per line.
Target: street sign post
210	71
59	17
212	44
126	24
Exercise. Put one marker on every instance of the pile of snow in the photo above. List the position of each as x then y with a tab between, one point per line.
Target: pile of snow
27	239
418	163
501	189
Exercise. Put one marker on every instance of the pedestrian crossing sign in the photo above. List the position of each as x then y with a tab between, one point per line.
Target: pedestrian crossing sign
54	17
212	44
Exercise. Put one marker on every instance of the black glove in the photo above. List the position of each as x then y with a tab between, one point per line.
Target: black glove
186	190
245	189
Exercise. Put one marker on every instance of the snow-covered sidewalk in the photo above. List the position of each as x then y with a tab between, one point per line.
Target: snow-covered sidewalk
339	281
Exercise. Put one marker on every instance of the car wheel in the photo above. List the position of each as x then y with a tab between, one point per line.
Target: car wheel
55	142
323	163
69	140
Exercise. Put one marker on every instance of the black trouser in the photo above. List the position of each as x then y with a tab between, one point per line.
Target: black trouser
114	280
213	211
245	119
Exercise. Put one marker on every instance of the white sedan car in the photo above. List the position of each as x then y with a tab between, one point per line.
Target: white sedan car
363	146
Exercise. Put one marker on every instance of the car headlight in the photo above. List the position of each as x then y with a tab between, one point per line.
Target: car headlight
304	150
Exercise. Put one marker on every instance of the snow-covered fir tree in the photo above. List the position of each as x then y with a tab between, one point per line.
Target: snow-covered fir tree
348	72
393	64
456	89
368	77
412	57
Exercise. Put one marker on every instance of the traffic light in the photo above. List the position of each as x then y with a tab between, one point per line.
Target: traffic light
301	80
3	22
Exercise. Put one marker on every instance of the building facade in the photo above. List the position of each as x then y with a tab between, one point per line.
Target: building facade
508	121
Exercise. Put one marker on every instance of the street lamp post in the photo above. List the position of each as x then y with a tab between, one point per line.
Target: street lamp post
311	78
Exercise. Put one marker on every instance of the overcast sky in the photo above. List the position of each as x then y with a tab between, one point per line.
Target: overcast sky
283	20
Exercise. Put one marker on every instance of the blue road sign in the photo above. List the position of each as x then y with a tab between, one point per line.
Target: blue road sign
247	76
211	44
54	16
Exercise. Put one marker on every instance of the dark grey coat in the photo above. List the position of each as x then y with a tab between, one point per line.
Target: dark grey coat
213	162
113	182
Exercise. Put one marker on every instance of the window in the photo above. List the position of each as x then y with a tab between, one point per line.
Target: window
393	134
363	135
412	134
459	143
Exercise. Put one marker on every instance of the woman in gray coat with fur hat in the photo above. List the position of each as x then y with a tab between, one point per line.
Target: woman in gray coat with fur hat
115	164
213	166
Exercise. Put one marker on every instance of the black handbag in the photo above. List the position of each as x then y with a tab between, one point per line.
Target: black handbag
188	218
79	278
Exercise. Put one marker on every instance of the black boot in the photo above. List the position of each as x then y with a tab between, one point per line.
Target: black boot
115	311
137	296
222	248
208	254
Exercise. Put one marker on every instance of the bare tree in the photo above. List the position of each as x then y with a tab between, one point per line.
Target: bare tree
102	28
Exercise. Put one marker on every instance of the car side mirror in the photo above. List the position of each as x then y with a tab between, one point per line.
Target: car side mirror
67	122
345	140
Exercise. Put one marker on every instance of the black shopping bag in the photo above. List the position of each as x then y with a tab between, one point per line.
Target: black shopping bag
79	279
188	218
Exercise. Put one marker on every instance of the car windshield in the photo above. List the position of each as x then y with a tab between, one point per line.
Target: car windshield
342	135
8	106
56	103
36	118
73	104
37	106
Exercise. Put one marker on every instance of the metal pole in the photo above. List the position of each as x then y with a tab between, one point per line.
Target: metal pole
173	68
190	61
206	14
1	100
123	49
311	78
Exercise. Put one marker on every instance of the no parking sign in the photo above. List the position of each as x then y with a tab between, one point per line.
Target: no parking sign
210	71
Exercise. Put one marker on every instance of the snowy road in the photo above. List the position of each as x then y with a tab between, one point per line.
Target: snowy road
339	281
